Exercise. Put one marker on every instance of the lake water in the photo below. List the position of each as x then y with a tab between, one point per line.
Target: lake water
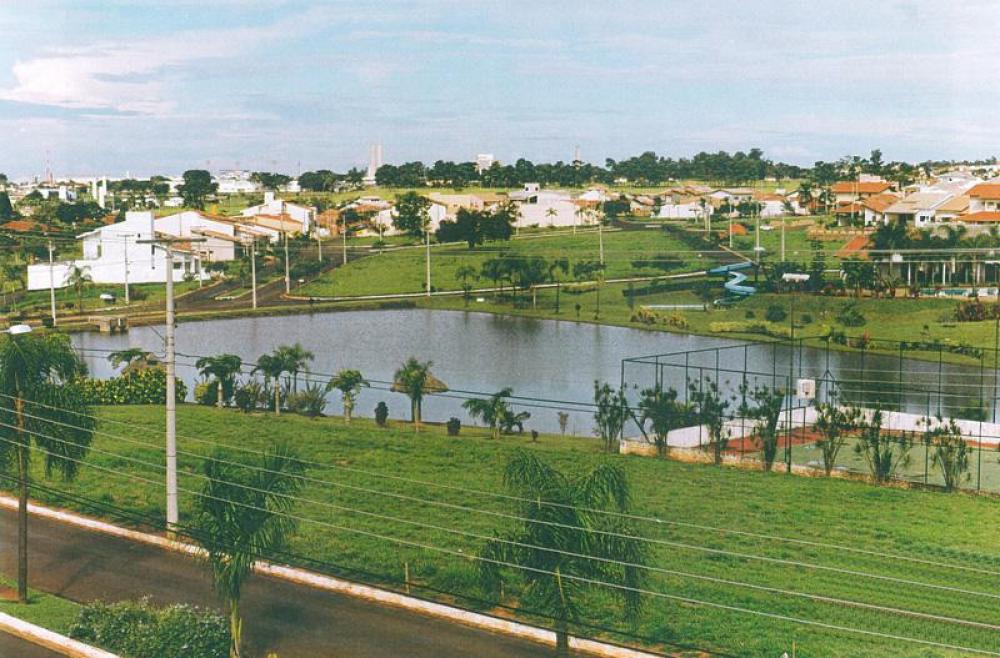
545	359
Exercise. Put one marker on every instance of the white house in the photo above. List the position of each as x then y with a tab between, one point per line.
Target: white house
689	208
918	209
220	238
236	181
276	208
114	254
538	207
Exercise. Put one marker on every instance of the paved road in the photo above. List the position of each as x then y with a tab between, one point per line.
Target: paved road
12	647
292	620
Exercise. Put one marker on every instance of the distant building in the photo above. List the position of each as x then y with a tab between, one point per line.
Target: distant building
484	161
538	207
846	191
374	162
277	212
236	181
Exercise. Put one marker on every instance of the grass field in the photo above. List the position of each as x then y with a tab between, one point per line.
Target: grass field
403	271
45	610
850	541
37	301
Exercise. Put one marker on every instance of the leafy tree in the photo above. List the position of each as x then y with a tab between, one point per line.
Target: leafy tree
414	379
349	383
834	423
243	516
951	451
196	187
223	369
663	412
78	278
411	214
269	180
556	266
883	452
6	209
39	405
566	542
766	412
611	414
126	357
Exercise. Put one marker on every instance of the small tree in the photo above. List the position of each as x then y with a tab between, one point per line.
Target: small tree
78	278
491	410
951	452
414	379
559	539
223	369
766	412
466	274
660	408
241	517
834	423
381	414
349	383
273	366
883	452
563	421
711	412
612	412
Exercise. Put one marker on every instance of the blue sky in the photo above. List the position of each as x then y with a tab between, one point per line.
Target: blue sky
158	87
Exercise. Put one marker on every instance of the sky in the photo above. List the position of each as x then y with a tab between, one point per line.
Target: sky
144	87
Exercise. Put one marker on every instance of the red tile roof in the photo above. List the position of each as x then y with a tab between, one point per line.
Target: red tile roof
981	217
985	191
849	209
854	187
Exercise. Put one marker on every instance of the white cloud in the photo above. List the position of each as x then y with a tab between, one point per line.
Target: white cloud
129	76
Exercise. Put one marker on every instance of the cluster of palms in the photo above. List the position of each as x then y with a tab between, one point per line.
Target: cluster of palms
526	273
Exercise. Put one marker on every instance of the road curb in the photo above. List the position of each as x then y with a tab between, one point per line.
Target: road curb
331	584
49	639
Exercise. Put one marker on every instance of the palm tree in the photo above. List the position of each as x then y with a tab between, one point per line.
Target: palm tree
555	266
273	366
79	278
126	357
37	372
415	380
551	212
241	517
464	274
492	410
296	359
349	383
660	408
224	369
567	541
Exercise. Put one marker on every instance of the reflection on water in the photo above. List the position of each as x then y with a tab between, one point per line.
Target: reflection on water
552	360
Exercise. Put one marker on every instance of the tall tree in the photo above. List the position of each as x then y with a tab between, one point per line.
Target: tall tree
495	411
223	369
415	380
951	451
766	413
660	408
6	209
465	275
834	422
197	187
78	278
40	405
242	516
566	542
296	359
883	452
273	366
349	382
710	408
411	214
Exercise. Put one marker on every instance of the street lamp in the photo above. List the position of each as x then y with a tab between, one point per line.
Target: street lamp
791	277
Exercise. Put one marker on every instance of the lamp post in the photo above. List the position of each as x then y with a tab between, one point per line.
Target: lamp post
793	278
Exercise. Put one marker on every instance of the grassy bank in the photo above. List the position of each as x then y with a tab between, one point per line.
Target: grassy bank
346	497
45	610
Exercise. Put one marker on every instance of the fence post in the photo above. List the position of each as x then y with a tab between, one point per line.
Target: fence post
406	576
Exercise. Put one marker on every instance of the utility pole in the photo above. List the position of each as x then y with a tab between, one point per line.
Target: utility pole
427	240
170	359
343	234
600	238
253	271
782	238
288	278
319	246
126	271
52	285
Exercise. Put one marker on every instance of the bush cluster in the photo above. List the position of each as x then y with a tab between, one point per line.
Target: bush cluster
137	629
976	311
850	316
647	316
148	386
775	313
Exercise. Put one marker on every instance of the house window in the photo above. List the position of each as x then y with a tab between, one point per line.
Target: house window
99	250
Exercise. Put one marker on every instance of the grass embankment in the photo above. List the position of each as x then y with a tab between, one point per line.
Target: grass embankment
627	254
956	530
153	295
45	610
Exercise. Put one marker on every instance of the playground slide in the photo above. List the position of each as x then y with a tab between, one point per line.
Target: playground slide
737	277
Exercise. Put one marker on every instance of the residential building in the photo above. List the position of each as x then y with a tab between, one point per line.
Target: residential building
484	161
277	210
984	196
236	181
685	208
918	209
538	207
846	191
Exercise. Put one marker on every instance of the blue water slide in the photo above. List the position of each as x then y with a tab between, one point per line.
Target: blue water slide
735	284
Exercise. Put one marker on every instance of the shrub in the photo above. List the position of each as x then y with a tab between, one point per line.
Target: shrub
974	311
137	629
137	294
251	396
308	402
850	316
806	318
775	313
749	315
454	425
148	386
381	414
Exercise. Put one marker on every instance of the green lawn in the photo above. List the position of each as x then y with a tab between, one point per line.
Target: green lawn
45	610
37	301
956	529
627	253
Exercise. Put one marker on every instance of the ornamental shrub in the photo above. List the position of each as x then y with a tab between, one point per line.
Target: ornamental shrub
454	425
148	386
381	414
137	629
775	313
